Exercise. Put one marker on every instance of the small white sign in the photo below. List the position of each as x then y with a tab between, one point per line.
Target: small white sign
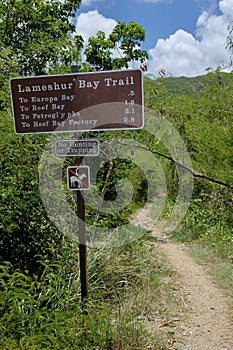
75	148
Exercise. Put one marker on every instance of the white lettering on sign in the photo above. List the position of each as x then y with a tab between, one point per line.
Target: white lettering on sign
40	88
49	99
88	84
92	122
119	82
72	148
55	106
40	108
57	123
67	97
81	84
37	124
55	115
86	101
73	114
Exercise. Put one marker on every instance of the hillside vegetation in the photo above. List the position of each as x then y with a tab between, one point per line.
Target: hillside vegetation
40	304
201	109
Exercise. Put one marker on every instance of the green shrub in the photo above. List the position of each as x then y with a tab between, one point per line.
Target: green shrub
45	313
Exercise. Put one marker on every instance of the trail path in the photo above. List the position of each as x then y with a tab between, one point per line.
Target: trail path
206	323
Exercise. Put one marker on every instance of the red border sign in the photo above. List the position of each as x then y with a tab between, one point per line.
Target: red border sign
78	178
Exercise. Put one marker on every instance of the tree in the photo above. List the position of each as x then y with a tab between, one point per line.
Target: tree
124	41
38	35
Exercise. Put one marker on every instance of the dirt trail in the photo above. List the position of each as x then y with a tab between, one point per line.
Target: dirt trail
206	324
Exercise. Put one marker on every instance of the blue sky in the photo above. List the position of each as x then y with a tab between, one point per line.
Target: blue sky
182	36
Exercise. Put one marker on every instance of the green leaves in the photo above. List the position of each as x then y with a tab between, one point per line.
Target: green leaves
201	110
39	33
99	52
119	49
25	230
38	37
37	312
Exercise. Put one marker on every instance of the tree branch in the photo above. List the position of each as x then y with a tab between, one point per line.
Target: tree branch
190	170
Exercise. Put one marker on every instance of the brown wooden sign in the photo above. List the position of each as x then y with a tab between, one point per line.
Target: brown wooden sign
78	102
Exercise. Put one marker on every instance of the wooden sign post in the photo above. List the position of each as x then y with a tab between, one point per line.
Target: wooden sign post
82	247
82	243
77	102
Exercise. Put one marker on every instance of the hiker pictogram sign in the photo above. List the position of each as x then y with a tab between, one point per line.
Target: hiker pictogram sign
78	178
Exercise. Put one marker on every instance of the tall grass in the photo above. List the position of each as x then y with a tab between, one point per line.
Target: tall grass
208	229
44	311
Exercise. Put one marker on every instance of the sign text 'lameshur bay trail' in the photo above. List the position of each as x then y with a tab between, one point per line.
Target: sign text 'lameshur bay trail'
78	102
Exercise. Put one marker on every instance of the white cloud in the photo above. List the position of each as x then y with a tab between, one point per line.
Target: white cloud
185	54
226	7
182	53
89	23
86	2
89	2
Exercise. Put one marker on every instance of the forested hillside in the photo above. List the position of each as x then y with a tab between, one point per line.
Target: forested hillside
201	109
40	304
35	256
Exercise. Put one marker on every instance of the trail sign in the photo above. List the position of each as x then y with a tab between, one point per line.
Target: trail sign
78	178
75	148
78	102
